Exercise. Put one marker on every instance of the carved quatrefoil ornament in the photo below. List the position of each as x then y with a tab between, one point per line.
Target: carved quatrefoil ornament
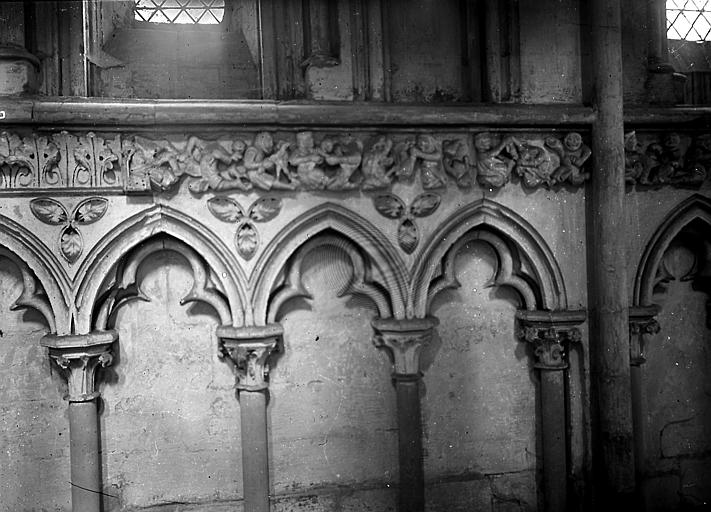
52	212
247	237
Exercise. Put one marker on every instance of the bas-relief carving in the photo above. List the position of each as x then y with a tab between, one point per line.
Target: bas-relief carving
304	161
246	237
59	160
668	159
53	213
392	207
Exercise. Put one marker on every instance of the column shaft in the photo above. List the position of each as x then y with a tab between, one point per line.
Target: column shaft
255	462
612	407
555	467
412	480
84	450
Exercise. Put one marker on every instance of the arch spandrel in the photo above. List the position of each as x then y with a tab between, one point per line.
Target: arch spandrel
144	226
342	222
29	250
485	214
696	207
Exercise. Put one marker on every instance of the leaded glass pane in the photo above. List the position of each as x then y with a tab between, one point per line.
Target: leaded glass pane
689	19
194	12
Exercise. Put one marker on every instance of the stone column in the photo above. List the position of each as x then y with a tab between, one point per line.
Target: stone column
611	398
79	356
19	69
404	340
249	349
642	323
549	332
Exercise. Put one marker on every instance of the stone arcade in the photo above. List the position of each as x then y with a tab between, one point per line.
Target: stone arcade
351	255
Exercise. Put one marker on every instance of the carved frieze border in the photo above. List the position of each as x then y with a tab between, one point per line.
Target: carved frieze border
288	161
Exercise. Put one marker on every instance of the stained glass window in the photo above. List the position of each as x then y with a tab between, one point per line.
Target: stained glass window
193	12
689	20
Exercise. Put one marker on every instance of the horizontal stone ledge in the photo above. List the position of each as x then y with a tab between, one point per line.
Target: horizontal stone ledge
169	114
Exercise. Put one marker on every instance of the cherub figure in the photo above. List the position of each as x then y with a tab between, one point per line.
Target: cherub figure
307	160
492	164
573	154
347	155
258	163
456	161
428	159
376	162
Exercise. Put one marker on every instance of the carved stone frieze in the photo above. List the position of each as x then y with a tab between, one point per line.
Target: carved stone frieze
667	159
59	160
246	237
249	349
53	213
549	332
404	340
392	207
304	161
79	356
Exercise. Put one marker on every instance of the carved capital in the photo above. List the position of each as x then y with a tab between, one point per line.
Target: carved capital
79	355
404	340
249	349
549	332
642	322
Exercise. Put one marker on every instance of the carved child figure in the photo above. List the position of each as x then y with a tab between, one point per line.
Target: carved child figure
493	167
203	164
347	155
634	163
533	166
307	159
573	154
376	164
258	163
456	161
429	161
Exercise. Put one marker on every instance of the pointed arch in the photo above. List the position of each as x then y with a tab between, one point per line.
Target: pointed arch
696	207
146	225
25	249
342	222
543	290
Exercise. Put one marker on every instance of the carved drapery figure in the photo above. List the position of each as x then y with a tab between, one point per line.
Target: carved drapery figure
495	159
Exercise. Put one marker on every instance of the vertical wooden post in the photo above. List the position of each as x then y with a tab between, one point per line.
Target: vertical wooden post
249	349
548	332
79	356
404	339
613	453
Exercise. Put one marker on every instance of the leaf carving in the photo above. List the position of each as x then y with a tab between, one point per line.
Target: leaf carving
265	209
407	235
49	211
247	240
225	209
425	204
389	206
90	210
70	244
